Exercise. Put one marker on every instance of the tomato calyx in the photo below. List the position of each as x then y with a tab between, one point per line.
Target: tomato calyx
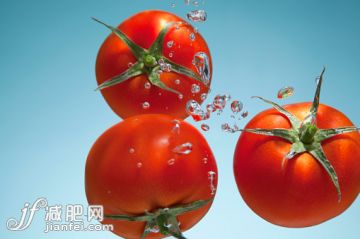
150	61
163	220
305	136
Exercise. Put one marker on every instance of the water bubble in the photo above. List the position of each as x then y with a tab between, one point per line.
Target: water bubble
201	62
139	165
192	36
195	88
227	128
187	2
146	105
171	161
195	3
244	114
211	175
177	82
147	85
170	44
171	54
203	96
285	92
205	160
173	5
130	64
210	108
164	66
131	150
194	109
176	128
197	15
180	96
219	101
185	148
153	229
205	127
236	106
290	155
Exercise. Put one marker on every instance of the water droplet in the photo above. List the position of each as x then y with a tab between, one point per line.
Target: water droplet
197	16
146	105
236	106
194	109
154	229
195	3
220	101
201	62
173	5
170	44
205	160
160	94
177	82
131	150
147	85
210	108
285	92
180	96
192	36
165	67
130	64
195	88
171	161
205	127
227	128
185	148
176	128
244	114
187	2
212	175
139	165
290	155
171	54
203	96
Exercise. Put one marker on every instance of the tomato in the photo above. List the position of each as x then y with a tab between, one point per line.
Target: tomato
182	48
300	194
138	166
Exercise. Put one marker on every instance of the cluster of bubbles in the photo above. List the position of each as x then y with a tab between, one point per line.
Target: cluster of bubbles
220	101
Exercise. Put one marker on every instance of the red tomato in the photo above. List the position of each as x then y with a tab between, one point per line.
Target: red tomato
127	98
301	194
133	168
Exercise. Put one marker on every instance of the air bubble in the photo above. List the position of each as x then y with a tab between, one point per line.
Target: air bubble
197	16
185	148
285	92
205	127
171	161
236	106
201	62
146	105
195	88
147	85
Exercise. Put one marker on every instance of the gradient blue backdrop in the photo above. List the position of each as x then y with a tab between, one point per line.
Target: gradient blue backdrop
50	114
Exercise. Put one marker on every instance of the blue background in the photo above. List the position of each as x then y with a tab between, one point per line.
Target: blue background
50	114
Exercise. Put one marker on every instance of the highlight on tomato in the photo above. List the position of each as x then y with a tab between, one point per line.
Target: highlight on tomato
298	165
153	62
155	176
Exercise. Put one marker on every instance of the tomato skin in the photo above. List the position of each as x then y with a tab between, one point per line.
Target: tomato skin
114	179
126	98
302	194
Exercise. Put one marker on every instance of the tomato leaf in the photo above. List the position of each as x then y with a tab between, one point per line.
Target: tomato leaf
295	123
135	70
319	154
183	70
154	78
157	46
137	50
323	134
287	134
